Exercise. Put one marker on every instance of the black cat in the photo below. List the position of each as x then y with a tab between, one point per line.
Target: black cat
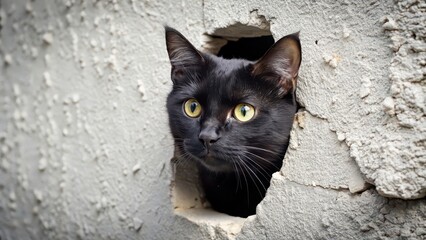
233	118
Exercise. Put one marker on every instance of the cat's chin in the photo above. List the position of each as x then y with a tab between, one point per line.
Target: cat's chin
215	165
207	160
211	163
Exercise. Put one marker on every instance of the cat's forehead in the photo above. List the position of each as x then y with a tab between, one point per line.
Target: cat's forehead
225	80
226	66
226	73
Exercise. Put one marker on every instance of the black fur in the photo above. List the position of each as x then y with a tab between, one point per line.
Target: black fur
235	170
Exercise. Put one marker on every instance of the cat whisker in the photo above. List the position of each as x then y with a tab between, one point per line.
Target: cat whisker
275	168
238	176
262	169
261	149
270	160
251	174
239	151
239	163
182	160
234	166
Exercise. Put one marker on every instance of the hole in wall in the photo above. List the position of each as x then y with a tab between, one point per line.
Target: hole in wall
235	41
247	48
239	41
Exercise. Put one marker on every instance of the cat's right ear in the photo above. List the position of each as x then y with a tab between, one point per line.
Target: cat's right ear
184	57
280	64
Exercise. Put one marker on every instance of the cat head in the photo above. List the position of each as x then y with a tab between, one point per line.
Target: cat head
232	114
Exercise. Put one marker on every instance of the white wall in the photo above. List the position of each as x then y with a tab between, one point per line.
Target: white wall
85	147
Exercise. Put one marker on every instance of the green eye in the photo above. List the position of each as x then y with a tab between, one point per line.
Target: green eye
192	108
244	112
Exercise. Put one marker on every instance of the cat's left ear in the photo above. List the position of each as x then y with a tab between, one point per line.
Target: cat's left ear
281	63
184	57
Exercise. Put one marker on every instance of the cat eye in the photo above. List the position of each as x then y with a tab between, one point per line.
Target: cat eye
244	112
192	108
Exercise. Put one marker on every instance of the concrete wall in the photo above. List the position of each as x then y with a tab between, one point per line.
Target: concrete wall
85	147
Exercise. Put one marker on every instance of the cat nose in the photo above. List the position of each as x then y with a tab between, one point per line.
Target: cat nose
209	136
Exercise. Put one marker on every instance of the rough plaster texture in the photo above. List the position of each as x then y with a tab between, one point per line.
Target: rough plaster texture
85	147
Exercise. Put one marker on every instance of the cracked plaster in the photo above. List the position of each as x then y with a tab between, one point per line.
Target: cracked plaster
84	143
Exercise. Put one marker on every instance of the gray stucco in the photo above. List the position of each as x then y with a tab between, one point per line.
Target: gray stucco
85	147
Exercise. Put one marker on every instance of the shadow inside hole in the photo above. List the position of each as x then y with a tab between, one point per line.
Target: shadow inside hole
247	48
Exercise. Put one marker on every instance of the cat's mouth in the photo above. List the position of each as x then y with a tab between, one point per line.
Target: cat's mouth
216	164
211	158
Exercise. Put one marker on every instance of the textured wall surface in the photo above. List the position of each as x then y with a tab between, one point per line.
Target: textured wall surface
85	148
